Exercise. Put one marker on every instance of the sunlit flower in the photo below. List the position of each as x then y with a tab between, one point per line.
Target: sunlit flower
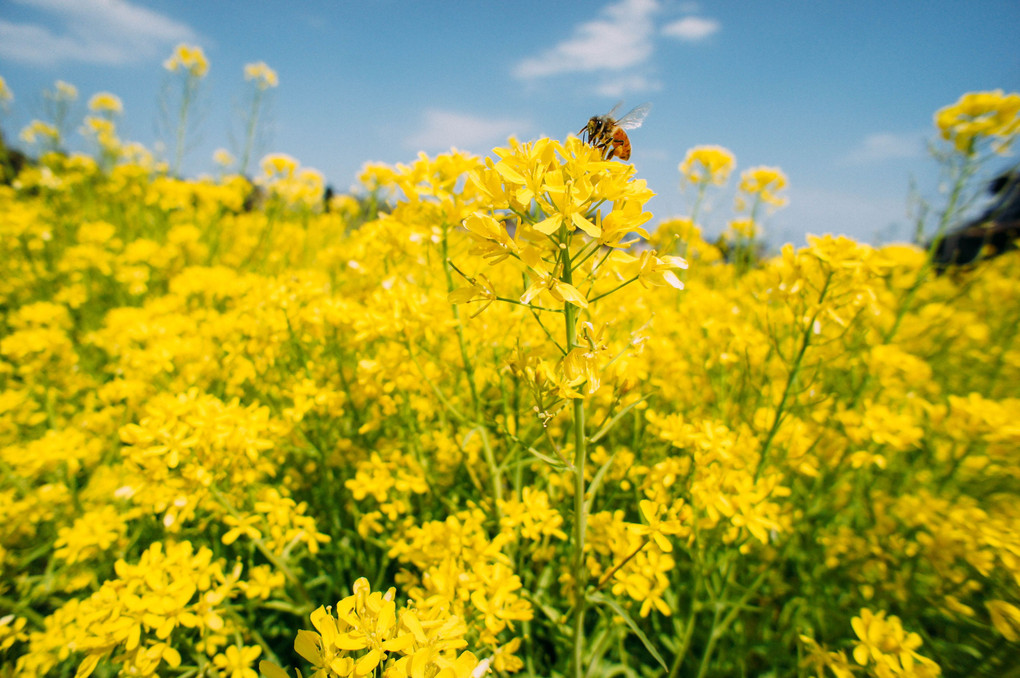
978	116
236	662
883	642
707	165
104	102
1005	618
189	58
761	184
38	130
64	91
223	157
6	95
263	75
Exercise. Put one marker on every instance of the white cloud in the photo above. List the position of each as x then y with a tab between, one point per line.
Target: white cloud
633	84
108	32
444	129
620	38
885	146
692	28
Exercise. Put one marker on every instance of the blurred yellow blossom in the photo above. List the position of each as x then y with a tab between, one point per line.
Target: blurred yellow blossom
65	91
977	116
263	75
707	165
223	157
189	58
761	184
6	95
104	102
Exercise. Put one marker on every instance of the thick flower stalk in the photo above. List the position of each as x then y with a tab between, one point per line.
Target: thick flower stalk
573	215
190	62
263	78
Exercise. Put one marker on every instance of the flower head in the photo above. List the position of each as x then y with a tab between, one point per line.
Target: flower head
189	58
762	184
263	75
104	102
707	165
980	115
6	95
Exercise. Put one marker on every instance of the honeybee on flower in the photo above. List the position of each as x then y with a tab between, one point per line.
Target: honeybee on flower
606	132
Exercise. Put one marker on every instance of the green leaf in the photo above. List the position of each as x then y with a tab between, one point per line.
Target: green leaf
612	422
596	481
618	609
555	463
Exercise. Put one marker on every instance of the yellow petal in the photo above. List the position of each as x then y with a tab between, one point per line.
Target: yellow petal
550	225
346	641
307	644
570	294
509	173
88	665
368	663
585	225
271	670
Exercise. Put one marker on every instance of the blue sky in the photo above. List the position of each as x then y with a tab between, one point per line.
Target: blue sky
840	95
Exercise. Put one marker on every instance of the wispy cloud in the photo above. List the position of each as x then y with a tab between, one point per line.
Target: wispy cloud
444	129
108	32
886	146
620	38
629	84
692	28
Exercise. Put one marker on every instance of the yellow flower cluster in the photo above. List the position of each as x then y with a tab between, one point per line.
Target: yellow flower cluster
263	76
370	633
284	178
890	650
761	184
707	165
173	590
222	401
980	116
6	95
189	58
104	102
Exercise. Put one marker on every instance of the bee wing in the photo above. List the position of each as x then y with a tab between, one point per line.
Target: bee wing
612	113
635	117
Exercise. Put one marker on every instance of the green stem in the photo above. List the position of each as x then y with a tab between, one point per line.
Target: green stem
182	124
249	137
685	645
469	370
277	561
580	512
719	627
791	380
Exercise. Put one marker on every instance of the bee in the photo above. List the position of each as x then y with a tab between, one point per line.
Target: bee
606	132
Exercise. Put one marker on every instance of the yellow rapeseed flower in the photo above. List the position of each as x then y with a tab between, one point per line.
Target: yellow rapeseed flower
37	129
6	95
235	662
884	642
762	184
263	75
1005	618
190	58
65	91
104	102
707	165
977	116
223	157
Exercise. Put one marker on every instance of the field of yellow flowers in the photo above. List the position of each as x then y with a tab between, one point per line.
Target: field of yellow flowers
480	420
